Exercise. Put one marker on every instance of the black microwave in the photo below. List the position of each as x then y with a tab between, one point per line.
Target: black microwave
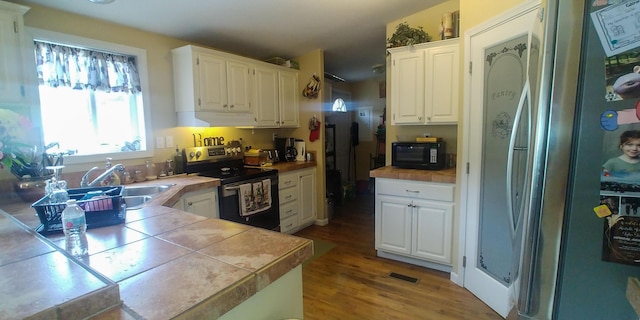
418	155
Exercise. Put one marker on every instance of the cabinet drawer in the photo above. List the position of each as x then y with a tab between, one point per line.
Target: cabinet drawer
289	209
287	180
289	224
415	189
288	195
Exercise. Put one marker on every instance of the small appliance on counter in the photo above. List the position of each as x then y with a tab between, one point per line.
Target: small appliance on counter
301	150
273	155
286	149
418	155
256	157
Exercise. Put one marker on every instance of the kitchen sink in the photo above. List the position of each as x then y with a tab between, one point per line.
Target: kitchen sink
137	196
145	190
135	202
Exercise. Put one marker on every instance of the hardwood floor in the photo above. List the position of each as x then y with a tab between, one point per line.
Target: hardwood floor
351	282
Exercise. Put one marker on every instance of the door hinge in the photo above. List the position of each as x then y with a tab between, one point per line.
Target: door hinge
394	116
198	61
470	67
464	261
199	102
467	167
15	27
540	15
22	91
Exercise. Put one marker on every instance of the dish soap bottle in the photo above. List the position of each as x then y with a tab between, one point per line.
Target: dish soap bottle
178	162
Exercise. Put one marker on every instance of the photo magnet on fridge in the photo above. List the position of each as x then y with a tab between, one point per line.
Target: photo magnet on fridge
620	191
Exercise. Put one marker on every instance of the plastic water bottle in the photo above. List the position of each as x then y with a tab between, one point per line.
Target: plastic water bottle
74	226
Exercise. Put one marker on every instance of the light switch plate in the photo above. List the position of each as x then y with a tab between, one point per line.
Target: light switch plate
168	141
159	142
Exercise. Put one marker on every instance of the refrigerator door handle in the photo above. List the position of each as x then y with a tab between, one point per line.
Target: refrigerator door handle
524	98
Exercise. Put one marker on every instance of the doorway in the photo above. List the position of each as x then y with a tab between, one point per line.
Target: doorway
341	118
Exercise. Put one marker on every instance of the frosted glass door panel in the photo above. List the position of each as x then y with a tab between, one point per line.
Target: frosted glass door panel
505	76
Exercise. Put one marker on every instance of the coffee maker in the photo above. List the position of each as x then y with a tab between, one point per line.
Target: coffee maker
286	148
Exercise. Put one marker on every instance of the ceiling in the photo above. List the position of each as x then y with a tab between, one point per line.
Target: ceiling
352	33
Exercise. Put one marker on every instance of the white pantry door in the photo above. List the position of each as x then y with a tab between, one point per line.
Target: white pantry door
498	55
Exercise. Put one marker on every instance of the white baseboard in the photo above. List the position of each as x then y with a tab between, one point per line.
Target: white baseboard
321	222
426	264
455	279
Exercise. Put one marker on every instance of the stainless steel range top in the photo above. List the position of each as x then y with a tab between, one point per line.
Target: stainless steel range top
223	162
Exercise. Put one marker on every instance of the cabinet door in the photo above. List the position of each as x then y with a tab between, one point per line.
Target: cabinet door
307	200
267	105
432	231
289	105
238	87
11	74
203	203
441	84
213	83
407	87
393	224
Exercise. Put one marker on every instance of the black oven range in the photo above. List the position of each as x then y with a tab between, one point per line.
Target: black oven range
246	195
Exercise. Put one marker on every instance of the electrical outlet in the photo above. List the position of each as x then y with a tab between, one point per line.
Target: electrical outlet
274	136
426	134
159	142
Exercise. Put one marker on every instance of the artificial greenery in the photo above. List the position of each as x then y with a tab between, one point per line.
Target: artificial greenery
406	35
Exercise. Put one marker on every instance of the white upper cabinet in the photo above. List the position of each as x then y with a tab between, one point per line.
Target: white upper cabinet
407	85
267	110
211	88
289	103
425	83
276	97
214	88
238	86
12	54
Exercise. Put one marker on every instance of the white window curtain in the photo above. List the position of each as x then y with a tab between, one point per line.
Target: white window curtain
84	69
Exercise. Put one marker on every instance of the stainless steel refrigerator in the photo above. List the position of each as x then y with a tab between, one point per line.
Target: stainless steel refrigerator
580	227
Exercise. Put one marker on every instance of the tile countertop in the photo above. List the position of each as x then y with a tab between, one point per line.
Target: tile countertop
444	176
162	263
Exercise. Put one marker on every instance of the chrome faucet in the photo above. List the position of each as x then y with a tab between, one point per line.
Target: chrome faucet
84	183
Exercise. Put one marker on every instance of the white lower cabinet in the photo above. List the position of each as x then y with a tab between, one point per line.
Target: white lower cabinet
202	202
414	221
297	196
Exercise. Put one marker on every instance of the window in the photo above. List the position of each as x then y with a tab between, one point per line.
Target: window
92	97
339	106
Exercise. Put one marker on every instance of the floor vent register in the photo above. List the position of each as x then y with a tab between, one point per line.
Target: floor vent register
403	277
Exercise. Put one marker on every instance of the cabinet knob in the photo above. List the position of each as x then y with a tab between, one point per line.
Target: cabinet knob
189	203
231	107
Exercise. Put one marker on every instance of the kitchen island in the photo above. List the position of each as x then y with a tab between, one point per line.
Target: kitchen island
161	263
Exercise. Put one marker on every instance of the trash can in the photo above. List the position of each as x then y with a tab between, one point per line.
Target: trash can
329	208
